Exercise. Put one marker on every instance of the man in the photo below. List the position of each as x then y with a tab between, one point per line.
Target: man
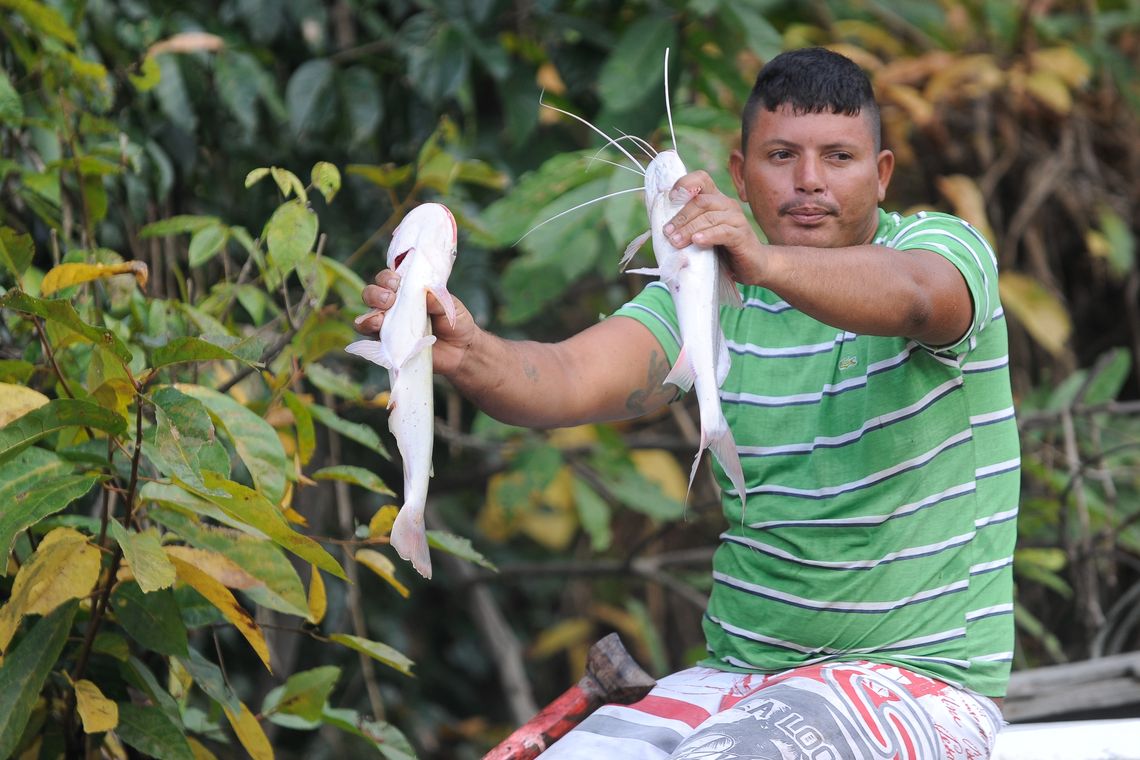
862	606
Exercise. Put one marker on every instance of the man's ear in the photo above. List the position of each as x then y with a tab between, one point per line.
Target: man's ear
736	169
886	165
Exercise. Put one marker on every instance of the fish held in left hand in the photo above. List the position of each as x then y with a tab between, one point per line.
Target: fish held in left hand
421	252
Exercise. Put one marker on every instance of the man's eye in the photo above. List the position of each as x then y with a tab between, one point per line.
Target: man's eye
781	155
842	156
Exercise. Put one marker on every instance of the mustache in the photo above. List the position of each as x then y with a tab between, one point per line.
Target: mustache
793	206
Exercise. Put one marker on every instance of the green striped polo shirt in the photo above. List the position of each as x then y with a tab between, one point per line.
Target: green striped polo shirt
883	480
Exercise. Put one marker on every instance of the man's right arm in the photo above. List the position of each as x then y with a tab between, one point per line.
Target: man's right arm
612	370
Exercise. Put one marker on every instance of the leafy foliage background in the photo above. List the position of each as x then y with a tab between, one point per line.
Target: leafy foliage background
193	198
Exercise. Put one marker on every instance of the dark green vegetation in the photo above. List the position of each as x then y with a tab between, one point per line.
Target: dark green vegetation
190	202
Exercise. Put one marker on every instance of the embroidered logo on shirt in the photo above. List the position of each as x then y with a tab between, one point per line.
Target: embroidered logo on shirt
847	362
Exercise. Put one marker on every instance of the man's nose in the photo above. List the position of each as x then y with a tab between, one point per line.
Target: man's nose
809	175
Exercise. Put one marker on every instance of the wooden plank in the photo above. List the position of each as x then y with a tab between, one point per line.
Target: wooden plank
1080	687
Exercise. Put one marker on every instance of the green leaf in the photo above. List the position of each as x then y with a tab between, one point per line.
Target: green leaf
264	560
254	439
360	93
636	67
303	422
386	738
62	312
211	680
182	427
45	20
150	731
376	650
326	179
459	546
26	668
256	175
289	235
16	251
357	476
1112	371
761	38
593	514
54	416
362	434
150	619
11	107
306	96
253	509
388	176
143	551
207	242
334	382
176	225
34	484
192	349
304	694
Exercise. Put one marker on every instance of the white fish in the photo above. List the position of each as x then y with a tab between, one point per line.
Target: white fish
699	285
421	252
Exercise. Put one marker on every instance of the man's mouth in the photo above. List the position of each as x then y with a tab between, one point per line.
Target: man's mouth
807	214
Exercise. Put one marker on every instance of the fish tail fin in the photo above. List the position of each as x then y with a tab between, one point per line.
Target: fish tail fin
682	374
409	539
723	447
444	297
373	350
633	248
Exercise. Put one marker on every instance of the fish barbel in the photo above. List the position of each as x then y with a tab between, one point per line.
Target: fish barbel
421	253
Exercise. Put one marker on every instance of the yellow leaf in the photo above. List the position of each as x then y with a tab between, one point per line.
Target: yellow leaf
65	566
381	522
1040	312
143	553
250	733
966	200
382	566
219	596
98	713
549	79
113	748
1065	62
562	635
869	36
318	600
199	751
660	467
1049	90
187	42
919	109
549	517
966	77
18	400
218	566
573	437
116	394
66	275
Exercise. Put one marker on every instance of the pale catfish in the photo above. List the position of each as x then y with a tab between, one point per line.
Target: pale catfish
699	285
421	252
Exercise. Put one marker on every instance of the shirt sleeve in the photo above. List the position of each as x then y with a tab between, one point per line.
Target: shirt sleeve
653	307
965	248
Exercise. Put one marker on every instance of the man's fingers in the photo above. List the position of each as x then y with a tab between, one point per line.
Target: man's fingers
369	323
377	297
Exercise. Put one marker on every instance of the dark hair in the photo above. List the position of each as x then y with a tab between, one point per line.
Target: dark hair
812	80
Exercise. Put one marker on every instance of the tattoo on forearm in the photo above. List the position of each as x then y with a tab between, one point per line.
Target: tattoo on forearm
654	392
530	371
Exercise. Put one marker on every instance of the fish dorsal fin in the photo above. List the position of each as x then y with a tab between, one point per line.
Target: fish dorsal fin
633	247
682	375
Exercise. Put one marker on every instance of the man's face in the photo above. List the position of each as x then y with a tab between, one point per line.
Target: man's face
812	179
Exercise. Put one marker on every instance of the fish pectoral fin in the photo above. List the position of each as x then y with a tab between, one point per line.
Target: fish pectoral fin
373	350
726	291
422	344
633	247
444	297
682	374
648	271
